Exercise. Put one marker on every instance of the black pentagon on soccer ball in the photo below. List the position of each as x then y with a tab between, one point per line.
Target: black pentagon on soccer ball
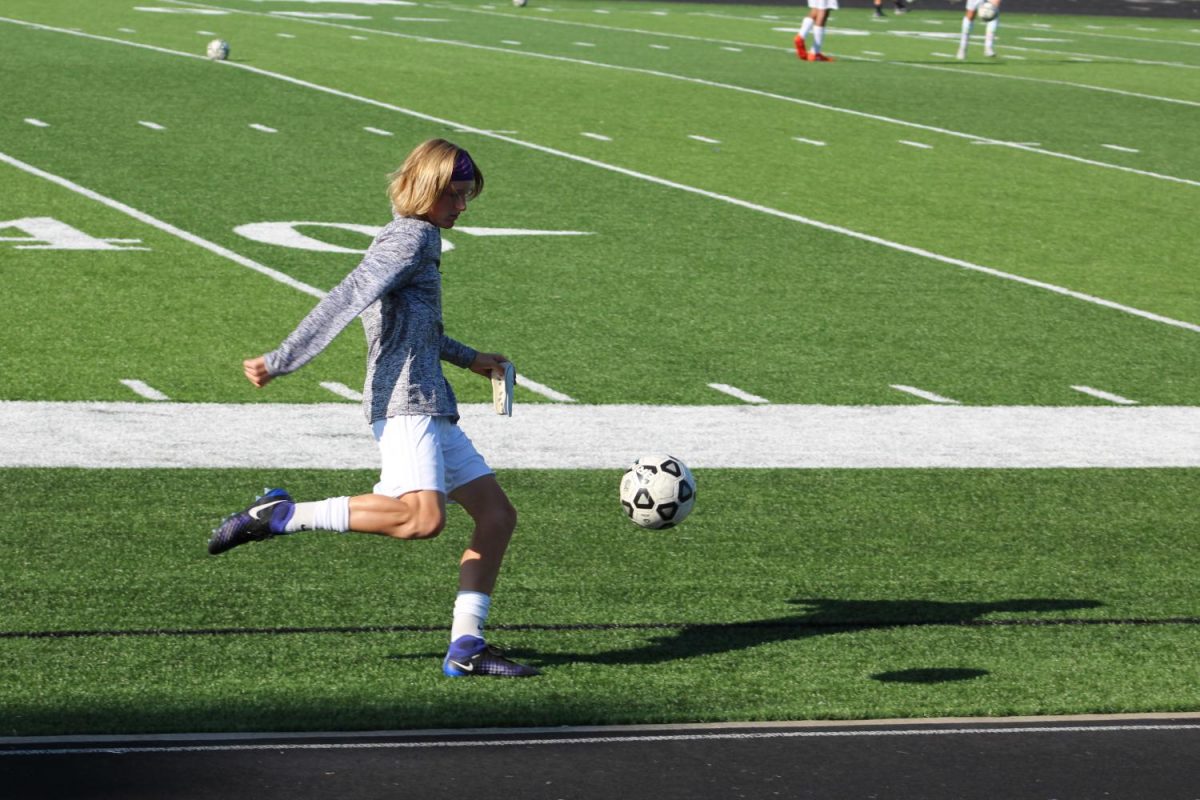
671	468
667	510
685	491
643	499
628	508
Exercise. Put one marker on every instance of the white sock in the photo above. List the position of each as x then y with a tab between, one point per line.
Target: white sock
989	35
470	612
818	38
805	27
966	33
332	514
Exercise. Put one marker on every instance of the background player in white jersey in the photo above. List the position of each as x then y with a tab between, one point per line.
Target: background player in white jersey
989	38
814	23
397	290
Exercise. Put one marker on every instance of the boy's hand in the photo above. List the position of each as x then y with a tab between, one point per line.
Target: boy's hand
256	371
489	365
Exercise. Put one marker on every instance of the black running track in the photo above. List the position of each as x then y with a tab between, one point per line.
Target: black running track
1139	759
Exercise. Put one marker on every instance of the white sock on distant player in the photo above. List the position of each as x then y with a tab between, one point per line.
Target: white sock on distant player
332	514
966	34
989	35
818	38
470	612
806	27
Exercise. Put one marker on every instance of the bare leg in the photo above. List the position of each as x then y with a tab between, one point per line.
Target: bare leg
495	520
415	515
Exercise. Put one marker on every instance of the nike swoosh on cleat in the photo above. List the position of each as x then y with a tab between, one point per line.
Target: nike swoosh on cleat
462	666
253	512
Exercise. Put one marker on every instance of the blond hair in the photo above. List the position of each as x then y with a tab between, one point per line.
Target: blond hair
424	176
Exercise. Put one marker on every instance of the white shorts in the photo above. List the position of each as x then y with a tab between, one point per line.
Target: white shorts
974	4
423	452
822	5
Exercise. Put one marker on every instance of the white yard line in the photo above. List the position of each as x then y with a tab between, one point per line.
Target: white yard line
574	436
543	390
746	90
378	131
923	394
655	179
341	390
1121	148
144	389
167	227
919	145
733	391
704	139
814	142
264	128
154	126
37	123
599	137
1102	395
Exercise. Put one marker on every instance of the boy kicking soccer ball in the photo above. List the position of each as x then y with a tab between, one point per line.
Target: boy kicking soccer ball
408	402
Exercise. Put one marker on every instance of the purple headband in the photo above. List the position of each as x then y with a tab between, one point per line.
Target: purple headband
464	167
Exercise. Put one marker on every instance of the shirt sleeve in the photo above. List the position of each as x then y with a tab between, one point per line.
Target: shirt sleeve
389	263
457	353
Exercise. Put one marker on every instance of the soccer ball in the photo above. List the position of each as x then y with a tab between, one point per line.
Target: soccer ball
658	491
519	3
986	12
218	50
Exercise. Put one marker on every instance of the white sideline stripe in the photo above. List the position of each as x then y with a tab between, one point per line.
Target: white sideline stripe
924	395
37	123
662	181
427	744
543	389
144	389
1118	36
732	87
578	436
704	139
263	128
733	391
378	131
341	390
815	142
1109	396
167	227
958	70
154	126
920	145
1120	148
599	137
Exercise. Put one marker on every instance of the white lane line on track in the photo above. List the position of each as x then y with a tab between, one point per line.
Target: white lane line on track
1102	395
144	390
923	394
644	176
123	746
334	435
166	227
733	391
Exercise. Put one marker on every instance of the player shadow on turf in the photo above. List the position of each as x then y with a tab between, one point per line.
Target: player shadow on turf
822	616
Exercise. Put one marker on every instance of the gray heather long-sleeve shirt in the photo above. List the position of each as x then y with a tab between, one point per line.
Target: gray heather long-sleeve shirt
397	289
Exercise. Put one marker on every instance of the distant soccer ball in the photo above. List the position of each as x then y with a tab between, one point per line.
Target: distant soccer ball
218	49
658	491
986	12
519	3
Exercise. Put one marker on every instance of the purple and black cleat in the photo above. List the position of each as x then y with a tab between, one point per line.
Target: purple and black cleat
264	518
470	655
